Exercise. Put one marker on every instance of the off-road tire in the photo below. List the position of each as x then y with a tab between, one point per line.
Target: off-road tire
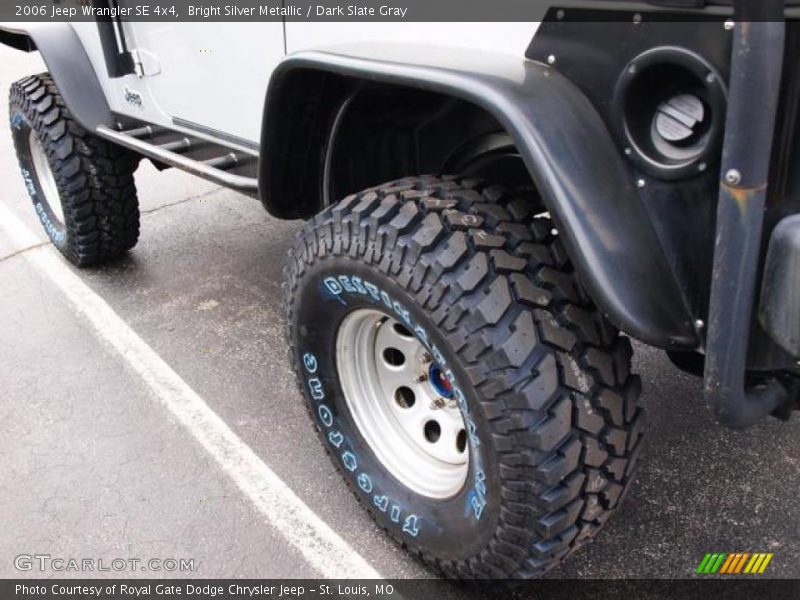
94	177
546	377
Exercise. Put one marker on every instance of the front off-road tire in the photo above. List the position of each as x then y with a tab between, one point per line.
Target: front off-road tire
541	379
81	186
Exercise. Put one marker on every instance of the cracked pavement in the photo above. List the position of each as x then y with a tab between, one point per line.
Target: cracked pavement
93	468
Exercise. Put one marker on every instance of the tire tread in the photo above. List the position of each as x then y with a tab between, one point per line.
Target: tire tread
94	176
552	374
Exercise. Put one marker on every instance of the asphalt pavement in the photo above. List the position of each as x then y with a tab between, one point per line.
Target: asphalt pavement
93	467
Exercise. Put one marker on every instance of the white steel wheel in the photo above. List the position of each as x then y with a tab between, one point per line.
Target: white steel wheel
402	404
47	181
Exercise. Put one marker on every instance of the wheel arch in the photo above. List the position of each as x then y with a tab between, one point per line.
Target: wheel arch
559	135
68	65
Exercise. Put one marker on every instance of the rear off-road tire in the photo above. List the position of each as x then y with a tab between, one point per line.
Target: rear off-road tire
82	186
541	379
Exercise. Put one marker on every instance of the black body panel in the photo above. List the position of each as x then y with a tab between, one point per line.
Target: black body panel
780	291
70	68
566	146
593	49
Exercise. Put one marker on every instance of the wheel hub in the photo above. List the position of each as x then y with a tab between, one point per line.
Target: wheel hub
439	381
402	403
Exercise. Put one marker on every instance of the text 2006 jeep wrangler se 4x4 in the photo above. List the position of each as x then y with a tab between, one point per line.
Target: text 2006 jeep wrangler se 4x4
488	211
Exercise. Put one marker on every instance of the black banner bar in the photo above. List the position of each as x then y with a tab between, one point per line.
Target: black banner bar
351	10
733	588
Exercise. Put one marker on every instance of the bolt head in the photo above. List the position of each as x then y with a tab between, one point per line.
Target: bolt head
637	19
699	324
560	14
641	183
729	25
551	60
733	177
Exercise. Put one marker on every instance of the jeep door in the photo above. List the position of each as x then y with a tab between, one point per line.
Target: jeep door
208	77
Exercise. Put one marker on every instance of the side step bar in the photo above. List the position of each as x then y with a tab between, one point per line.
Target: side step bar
213	169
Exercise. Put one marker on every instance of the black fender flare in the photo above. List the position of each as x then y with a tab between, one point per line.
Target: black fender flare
68	65
567	149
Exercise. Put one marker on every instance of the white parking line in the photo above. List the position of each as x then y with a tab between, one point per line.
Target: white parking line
320	546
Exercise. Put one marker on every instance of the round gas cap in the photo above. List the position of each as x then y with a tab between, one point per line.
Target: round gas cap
679	118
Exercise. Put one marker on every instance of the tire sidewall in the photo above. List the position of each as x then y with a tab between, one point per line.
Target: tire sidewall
453	529
21	127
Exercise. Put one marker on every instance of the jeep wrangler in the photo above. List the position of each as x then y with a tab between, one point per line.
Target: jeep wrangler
492	211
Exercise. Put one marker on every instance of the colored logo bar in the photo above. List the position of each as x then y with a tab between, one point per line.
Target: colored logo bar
735	563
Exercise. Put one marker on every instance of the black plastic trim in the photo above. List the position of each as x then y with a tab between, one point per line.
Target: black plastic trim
119	61
779	310
14	39
568	151
70	68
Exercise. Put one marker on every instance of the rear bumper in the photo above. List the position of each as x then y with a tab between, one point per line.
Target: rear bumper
779	309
